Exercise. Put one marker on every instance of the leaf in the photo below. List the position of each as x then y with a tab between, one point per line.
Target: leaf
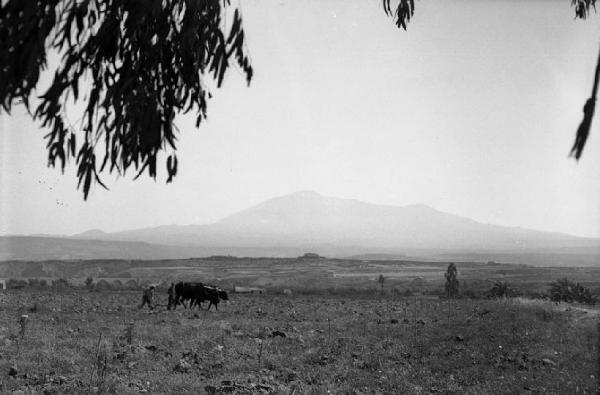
171	167
584	128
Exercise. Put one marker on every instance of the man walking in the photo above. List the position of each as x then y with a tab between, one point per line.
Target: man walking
147	297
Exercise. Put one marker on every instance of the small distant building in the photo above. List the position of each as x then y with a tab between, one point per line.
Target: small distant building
3	284
248	290
311	255
287	291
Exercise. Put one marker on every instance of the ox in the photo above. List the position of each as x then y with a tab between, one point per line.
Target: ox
195	294
214	295
181	293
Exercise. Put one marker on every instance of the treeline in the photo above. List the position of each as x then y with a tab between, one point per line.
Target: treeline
90	284
561	290
13	283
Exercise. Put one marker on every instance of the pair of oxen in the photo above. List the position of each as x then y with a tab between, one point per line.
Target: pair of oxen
194	294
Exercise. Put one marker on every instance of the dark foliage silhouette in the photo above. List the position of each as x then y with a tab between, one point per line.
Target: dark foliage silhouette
501	289
451	281
588	113
141	62
404	10
565	290
135	65
583	7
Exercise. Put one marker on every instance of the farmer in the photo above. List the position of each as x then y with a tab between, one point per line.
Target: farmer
172	299
147	297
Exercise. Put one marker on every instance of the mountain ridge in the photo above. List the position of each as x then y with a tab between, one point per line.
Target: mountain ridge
308	218
306	221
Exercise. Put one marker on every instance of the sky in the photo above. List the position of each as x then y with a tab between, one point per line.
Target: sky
471	111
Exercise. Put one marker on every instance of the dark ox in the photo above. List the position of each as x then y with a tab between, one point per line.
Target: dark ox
181	293
195	294
214	295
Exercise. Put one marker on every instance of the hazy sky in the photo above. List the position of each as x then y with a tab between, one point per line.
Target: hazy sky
471	111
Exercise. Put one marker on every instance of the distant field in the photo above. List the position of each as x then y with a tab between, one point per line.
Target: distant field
301	275
99	342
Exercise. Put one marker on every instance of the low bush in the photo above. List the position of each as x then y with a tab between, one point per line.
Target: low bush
89	283
61	283
501	289
471	294
37	282
565	290
15	283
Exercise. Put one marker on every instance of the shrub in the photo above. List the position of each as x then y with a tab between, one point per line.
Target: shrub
89	283
501	290
471	294
102	285
61	283
440	293
401	292
565	290
118	285
131	285
15	283
35	282
535	295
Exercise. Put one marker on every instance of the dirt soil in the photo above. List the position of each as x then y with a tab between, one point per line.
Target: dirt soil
99	342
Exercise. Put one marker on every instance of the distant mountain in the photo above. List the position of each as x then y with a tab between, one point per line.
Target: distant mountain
309	222
308	219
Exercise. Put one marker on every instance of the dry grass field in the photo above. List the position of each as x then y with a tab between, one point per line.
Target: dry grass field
77	341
